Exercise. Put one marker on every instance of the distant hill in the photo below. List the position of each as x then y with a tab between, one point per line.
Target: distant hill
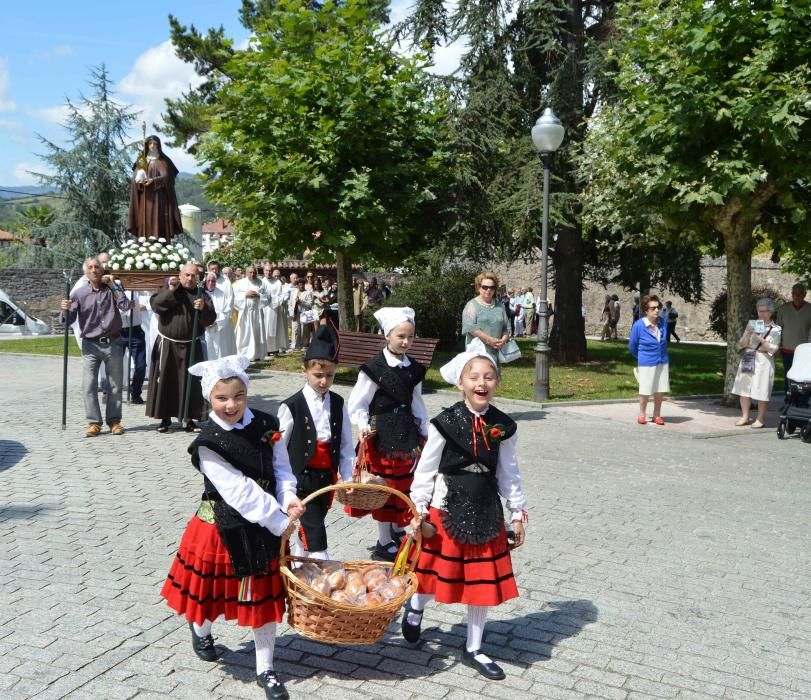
17	191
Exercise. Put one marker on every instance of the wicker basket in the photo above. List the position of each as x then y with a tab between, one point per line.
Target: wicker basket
319	617
362	499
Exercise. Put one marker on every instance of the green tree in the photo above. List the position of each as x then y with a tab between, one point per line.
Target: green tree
707	142
325	139
92	174
543	52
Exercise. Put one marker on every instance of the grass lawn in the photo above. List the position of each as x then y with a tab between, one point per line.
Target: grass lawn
608	373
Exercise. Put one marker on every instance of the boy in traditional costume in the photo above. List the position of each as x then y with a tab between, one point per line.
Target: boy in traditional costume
467	466
316	431
386	404
227	562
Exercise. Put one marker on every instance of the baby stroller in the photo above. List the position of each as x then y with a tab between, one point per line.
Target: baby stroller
795	412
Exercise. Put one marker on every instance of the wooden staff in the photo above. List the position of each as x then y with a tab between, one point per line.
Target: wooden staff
187	389
65	355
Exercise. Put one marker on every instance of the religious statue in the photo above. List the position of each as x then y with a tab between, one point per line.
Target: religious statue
153	208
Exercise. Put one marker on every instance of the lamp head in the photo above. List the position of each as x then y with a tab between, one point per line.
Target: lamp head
547	134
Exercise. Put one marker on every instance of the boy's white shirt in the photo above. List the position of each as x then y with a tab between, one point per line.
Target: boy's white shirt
365	390
429	487
320	410
241	492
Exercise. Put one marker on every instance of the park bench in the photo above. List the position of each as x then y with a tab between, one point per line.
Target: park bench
356	348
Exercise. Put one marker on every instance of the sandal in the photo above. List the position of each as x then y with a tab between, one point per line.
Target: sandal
659	420
642	420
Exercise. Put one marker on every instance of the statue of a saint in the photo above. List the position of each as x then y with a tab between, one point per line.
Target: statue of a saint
153	202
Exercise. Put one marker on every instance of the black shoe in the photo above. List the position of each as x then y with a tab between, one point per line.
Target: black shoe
396	535
166	423
490	670
191	427
411	633
203	646
274	688
385	552
137	399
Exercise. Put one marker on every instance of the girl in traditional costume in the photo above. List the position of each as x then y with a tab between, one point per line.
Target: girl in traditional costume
227	562
386	404
467	466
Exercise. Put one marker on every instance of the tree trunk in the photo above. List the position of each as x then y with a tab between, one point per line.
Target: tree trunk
346	310
738	248
568	337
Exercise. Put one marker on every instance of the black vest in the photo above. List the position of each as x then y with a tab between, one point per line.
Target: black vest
245	449
301	443
390	408
455	424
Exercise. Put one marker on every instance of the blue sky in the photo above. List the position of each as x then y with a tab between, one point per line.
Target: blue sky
48	46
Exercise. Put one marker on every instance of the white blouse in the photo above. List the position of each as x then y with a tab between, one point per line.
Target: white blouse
365	390
320	408
241	492
429	486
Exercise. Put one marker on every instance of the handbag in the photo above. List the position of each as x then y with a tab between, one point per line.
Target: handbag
509	352
748	362
309	316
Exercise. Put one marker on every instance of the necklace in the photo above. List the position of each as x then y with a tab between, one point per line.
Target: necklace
399	355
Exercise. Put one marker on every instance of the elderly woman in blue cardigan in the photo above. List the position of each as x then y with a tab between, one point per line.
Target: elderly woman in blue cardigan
648	344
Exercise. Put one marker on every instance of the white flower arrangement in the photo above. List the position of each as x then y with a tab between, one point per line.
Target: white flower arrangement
149	254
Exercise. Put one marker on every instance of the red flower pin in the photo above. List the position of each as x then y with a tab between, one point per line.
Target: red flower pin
272	436
494	432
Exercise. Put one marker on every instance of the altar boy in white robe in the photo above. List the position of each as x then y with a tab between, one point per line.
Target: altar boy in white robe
220	337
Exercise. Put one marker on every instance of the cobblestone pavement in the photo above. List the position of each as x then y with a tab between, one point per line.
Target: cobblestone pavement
657	566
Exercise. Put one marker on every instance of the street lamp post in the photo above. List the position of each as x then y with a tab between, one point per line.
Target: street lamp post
547	135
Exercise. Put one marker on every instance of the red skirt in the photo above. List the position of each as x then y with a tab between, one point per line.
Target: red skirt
202	585
474	574
398	473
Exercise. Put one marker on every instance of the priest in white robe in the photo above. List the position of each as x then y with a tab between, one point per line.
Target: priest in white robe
220	337
275	311
249	298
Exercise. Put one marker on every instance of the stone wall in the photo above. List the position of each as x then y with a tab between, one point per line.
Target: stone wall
693	321
37	292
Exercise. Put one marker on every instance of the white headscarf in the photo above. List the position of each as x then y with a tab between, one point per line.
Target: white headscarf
212	371
452	372
391	316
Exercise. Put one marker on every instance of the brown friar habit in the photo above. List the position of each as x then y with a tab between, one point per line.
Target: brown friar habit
170	355
153	208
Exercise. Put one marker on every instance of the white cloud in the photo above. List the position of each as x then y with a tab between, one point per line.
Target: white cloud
6	103
52	115
22	173
156	75
55	53
10	124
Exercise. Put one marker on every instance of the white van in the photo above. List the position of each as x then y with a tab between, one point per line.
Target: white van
14	321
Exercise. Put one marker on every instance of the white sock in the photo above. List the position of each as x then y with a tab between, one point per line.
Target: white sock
383	534
476	617
323	555
418	602
202	630
264	638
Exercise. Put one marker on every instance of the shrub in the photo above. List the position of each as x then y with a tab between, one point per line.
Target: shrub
718	310
438	300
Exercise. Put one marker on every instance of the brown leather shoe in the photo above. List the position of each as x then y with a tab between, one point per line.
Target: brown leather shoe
116	429
93	429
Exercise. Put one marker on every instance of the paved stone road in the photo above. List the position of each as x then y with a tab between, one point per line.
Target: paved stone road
657	566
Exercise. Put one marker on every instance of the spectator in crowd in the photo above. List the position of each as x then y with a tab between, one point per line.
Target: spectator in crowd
134	343
228	273
605	318
529	310
309	281
615	315
510	308
307	315
671	316
794	319
239	273
96	306
518	323
250	297
358	304
333	311
648	344
220	337
174	306
374	296
635	310
293	311
486	318
755	376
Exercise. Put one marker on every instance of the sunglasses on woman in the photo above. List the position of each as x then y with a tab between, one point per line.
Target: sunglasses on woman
487	286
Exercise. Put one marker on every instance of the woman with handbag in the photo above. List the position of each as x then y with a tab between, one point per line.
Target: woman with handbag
648	344
484	317
755	376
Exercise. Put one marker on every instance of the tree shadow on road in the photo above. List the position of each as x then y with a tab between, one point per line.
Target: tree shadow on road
11	452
